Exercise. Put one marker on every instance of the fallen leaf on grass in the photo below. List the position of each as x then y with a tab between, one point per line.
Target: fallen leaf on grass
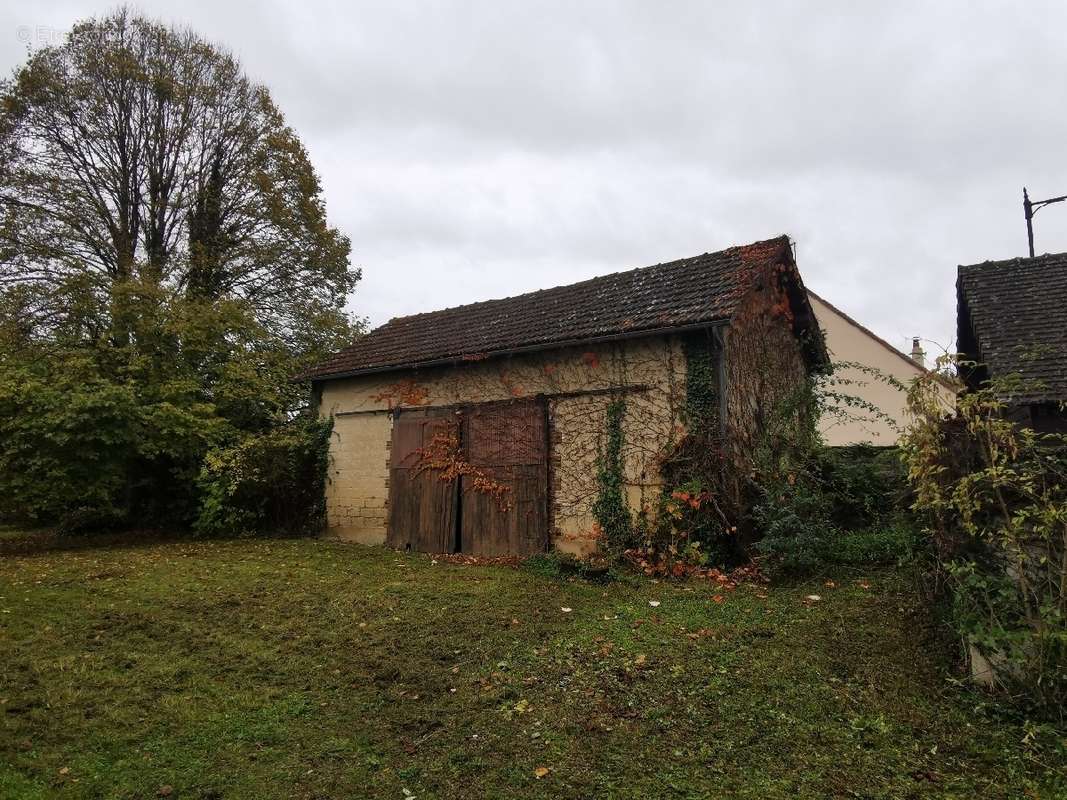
541	772
718	598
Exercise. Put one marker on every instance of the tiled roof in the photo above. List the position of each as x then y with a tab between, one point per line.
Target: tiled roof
692	291
1013	316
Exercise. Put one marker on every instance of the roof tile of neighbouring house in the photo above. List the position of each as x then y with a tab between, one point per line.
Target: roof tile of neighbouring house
692	291
1017	311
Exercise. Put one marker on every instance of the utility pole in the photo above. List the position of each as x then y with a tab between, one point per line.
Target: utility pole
1032	207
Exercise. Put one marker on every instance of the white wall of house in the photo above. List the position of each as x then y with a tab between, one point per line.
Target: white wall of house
848	341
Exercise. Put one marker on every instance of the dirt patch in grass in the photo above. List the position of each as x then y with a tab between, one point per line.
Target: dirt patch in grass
311	669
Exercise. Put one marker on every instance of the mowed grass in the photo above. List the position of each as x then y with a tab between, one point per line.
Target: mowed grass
311	669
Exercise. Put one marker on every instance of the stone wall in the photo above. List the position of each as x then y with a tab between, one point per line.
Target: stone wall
358	489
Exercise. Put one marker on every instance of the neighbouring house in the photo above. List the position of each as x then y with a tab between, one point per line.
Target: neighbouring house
481	429
1007	314
865	361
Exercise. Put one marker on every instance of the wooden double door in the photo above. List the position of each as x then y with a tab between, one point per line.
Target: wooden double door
470	479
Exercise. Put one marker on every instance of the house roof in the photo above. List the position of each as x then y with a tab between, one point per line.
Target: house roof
690	292
1012	317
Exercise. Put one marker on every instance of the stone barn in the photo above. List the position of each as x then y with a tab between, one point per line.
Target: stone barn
484	428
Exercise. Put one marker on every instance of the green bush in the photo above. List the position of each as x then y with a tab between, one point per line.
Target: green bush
98	435
893	542
845	509
65	443
609	507
993	494
558	565
794	520
866	485
273	482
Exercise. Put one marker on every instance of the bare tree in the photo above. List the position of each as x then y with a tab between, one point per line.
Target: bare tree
136	158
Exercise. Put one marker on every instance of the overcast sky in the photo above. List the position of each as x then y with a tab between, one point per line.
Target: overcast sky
482	149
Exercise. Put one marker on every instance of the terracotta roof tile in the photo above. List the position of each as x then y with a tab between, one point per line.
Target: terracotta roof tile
692	291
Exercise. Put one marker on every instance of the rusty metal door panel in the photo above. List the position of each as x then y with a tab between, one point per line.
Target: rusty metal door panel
507	443
422	506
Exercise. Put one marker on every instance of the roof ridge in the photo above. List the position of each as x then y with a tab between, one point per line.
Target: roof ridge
1015	260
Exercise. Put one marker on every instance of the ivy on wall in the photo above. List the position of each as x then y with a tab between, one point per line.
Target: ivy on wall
701	384
691	522
609	508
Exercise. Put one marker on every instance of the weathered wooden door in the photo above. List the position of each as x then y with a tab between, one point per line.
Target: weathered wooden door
499	506
422	506
508	442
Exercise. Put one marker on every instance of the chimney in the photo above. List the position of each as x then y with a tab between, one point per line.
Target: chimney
917	354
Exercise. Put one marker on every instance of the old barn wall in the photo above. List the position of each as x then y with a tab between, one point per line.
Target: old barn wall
764	365
579	384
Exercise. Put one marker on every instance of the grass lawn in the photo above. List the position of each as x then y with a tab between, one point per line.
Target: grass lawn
311	669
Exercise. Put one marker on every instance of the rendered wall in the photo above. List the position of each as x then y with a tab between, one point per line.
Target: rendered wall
848	342
579	384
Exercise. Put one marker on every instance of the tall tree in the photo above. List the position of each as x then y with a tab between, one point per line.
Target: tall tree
136	157
166	267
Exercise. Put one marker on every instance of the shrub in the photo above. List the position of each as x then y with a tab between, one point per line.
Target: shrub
272	482
559	565
893	542
796	528
65	443
844	507
866	485
994	498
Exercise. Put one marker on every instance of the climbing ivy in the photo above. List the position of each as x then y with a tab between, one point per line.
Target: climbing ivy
691	522
610	509
701	385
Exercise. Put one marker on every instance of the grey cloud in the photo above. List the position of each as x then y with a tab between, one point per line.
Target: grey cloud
473	150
